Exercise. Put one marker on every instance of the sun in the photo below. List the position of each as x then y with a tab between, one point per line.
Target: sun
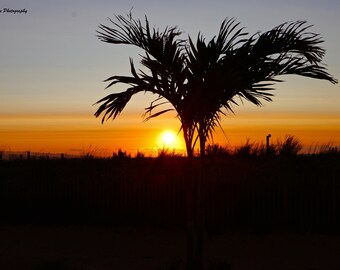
168	139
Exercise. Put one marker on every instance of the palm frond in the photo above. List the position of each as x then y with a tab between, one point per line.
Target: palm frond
154	104
288	49
129	31
126	31
113	104
157	114
135	80
289	38
228	28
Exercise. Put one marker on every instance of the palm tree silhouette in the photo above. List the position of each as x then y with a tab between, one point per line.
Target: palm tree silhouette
203	81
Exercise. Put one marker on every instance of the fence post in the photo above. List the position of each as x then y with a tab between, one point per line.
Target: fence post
267	143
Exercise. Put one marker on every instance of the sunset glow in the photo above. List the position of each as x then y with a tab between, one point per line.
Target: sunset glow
53	66
81	134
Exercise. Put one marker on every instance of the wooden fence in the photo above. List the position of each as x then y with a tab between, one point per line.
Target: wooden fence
232	193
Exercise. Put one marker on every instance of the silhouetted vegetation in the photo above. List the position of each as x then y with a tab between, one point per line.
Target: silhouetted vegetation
218	151
289	146
122	154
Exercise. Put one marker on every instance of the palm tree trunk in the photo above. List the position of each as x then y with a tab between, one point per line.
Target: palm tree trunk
188	141
202	146
203	140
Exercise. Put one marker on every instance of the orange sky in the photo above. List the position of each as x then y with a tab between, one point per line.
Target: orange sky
81	134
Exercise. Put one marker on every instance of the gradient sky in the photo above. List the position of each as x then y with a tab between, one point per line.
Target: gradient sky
52	69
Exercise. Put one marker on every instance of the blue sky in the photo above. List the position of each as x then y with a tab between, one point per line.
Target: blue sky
51	61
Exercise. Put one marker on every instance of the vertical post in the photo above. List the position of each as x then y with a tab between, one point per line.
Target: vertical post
28	155
191	239
195	220
267	143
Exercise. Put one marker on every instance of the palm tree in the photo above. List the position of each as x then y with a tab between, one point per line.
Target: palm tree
231	66
165	61
203	81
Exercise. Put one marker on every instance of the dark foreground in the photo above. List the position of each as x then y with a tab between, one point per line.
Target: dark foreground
257	213
261	193
103	248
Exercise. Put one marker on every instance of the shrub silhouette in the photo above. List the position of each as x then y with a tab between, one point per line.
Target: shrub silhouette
216	150
290	146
